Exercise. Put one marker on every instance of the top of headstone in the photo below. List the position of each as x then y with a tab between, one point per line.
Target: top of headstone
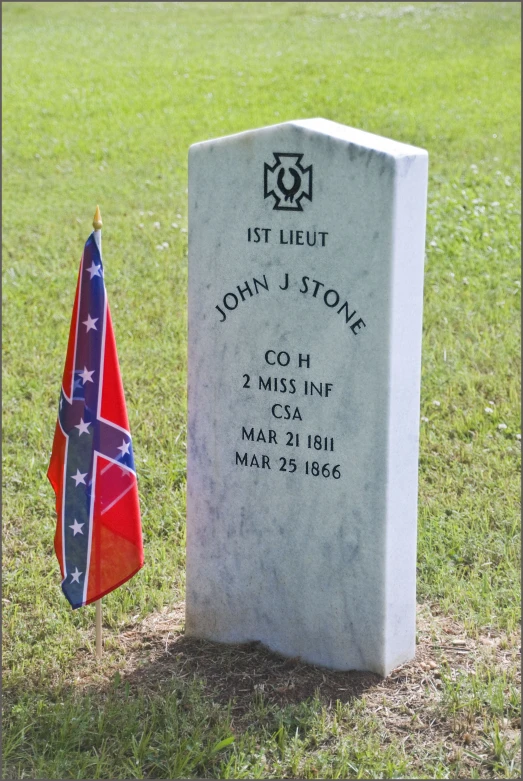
336	130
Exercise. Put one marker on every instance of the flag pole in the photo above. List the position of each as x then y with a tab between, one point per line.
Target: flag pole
97	225
98	628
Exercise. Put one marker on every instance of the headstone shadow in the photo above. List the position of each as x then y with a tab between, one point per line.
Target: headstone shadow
246	673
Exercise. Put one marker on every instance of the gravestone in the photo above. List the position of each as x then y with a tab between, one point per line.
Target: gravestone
306	250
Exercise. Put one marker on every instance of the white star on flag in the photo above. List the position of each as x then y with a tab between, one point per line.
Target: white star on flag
124	447
86	376
83	428
94	271
79	477
75	576
77	527
90	323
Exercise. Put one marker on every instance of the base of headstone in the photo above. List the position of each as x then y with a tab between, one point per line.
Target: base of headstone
306	252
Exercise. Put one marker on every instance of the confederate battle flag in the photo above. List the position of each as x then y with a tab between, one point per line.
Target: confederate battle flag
98	538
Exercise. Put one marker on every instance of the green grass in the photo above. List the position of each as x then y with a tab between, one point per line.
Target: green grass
100	104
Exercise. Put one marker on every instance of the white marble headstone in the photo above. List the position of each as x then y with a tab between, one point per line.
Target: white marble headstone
306	250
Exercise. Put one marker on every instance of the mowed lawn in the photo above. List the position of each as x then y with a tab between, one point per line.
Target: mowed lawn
100	104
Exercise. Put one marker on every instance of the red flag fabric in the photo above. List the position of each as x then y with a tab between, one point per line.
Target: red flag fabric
98	540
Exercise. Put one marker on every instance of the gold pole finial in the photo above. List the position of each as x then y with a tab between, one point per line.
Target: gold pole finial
97	219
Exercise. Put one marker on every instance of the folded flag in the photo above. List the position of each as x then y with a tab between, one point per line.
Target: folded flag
98	540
